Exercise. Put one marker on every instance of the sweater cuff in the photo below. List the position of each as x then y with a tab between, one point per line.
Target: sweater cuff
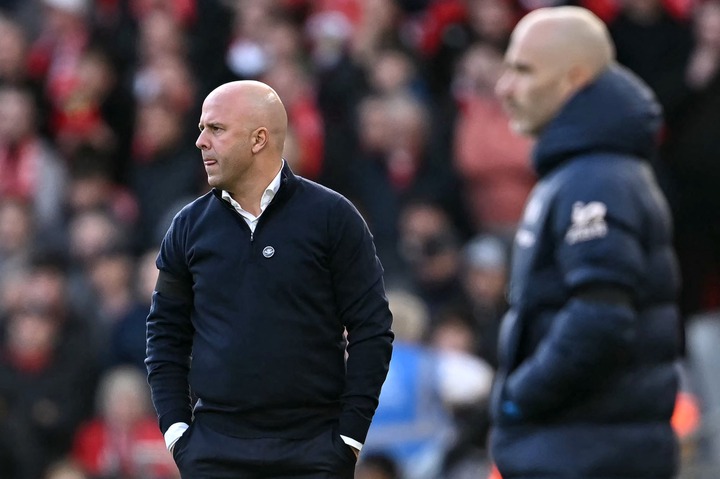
174	433
174	416
354	426
351	442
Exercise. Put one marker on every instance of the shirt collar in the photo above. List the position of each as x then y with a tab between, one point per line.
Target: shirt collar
267	195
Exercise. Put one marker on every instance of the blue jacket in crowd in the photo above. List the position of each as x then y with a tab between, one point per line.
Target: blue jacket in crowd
587	385
412	423
257	319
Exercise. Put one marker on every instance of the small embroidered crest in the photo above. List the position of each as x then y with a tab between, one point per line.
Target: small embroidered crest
588	222
268	251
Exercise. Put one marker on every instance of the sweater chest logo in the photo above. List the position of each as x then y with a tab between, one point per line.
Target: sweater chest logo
588	222
268	251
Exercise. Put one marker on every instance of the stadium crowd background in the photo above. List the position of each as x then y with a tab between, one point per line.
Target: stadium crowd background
391	103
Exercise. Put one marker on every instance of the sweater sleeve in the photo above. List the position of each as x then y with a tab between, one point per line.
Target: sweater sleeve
170	334
363	309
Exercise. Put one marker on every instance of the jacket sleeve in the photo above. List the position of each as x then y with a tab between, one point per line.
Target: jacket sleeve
596	229
363	309
170	333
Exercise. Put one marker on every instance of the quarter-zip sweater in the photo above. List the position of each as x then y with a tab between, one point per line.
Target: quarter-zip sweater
251	324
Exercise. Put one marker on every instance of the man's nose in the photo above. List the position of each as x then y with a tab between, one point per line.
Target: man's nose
201	142
503	86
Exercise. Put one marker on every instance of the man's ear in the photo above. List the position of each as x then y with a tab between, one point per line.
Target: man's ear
574	79
580	75
259	139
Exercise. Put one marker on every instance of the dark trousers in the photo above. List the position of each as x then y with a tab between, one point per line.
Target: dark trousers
205	453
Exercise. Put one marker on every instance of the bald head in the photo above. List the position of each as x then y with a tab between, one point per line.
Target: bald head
568	37
554	52
242	135
256	106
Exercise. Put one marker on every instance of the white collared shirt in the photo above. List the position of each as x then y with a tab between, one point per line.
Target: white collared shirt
265	200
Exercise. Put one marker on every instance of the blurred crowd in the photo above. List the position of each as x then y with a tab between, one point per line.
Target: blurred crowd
390	103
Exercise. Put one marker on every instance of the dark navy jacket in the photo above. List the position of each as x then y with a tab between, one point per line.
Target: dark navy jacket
586	387
263	315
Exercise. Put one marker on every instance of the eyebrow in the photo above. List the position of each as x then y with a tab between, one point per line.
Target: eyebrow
519	66
202	126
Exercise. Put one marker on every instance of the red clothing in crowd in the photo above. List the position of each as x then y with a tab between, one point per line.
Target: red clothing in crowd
493	162
306	122
138	453
18	170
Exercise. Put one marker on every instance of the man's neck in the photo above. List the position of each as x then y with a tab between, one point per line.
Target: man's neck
250	201
249	196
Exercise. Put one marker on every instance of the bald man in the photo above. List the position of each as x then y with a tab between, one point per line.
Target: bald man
258	281
587	381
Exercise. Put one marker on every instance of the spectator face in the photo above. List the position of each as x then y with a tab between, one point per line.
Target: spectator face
373	125
31	332
90	234
283	41
288	80
13	47
329	33
159	37
111	274
61	20
642	9
492	19
89	192
12	291
95	76
167	80
124	398
453	334
16	115
707	24
392	71
479	69
408	126
158	128
46	286
15	226
485	274
485	285
427	243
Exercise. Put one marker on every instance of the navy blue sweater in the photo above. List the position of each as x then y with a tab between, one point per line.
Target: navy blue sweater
263	315
591	383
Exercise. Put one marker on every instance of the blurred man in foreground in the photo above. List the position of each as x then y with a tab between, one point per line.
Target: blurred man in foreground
587	378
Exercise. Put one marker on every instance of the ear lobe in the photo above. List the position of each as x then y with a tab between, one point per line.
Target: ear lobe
260	140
